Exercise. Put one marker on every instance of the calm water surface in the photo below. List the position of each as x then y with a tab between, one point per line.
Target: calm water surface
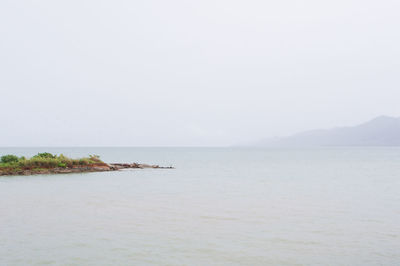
336	206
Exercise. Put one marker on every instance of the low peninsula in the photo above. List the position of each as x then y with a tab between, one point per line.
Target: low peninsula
47	163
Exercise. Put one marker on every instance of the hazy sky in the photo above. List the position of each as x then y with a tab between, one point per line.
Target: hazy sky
210	72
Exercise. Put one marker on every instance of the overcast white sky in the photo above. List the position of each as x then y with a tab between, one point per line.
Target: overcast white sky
192	73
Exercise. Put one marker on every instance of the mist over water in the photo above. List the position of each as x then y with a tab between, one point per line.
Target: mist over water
200	73
323	206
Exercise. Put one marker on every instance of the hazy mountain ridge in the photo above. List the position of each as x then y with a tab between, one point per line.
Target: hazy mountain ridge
380	131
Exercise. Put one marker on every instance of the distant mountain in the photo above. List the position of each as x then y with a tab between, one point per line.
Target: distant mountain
380	131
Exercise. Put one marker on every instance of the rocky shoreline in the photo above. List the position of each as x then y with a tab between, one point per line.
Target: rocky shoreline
81	169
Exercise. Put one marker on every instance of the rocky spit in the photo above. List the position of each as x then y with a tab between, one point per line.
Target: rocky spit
84	169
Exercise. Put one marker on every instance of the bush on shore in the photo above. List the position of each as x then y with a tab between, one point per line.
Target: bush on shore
9	159
46	160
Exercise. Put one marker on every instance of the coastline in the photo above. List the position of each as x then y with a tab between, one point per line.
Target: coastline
47	163
104	167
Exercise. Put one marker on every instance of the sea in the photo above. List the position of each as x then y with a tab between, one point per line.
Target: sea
219	206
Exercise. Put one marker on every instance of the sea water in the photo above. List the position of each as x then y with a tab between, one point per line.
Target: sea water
220	206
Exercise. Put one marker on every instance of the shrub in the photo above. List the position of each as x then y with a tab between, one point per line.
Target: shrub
9	158
65	160
63	165
41	162
22	161
45	155
6	165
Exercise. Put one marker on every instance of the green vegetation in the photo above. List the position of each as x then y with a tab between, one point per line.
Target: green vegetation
9	159
42	161
45	155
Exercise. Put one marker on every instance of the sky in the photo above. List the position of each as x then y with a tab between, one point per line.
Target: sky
192	73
